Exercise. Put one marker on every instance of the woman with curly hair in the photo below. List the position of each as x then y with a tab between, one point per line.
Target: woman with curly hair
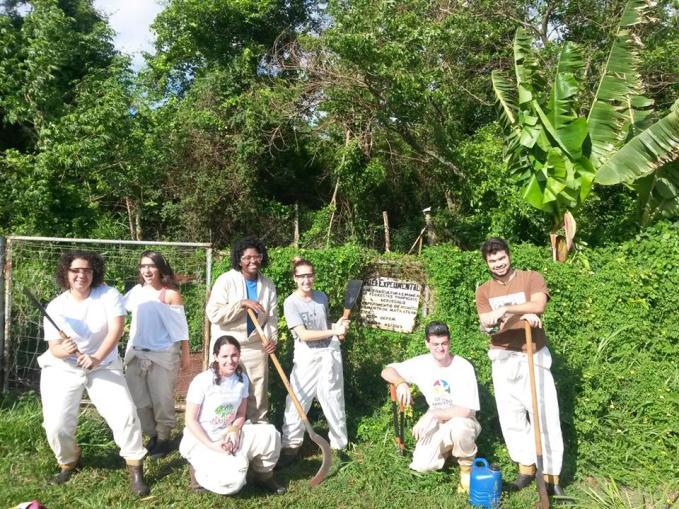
83	355
218	444
234	292
158	340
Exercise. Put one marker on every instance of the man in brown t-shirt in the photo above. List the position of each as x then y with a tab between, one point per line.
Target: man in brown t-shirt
503	303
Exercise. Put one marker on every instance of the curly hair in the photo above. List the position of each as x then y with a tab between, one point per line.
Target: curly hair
94	259
167	278
221	341
493	245
241	245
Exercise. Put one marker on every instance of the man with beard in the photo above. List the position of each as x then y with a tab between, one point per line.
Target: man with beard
503	303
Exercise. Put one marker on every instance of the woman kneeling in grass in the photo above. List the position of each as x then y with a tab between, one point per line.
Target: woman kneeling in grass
217	442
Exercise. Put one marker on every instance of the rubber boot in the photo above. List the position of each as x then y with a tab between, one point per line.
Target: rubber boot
465	477
555	490
266	480
135	468
64	474
288	456
66	471
161	449
525	477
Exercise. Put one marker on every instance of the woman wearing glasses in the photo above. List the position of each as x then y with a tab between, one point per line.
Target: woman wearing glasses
317	368
82	354
233	293
158	340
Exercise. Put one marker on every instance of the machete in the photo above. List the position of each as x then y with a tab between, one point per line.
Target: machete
319	440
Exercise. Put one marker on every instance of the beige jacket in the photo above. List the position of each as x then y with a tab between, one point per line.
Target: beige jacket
228	317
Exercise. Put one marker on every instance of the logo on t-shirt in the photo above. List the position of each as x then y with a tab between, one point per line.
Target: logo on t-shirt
224	415
507	300
441	387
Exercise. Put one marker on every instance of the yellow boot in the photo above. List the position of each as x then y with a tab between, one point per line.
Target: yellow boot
465	474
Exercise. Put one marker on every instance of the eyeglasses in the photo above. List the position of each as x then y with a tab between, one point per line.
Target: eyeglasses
305	276
83	271
252	258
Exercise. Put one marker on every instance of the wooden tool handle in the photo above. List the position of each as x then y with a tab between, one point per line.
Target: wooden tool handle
279	368
533	390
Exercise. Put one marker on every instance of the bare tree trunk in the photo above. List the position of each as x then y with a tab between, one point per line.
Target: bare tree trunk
333	204
449	202
431	236
137	222
296	234
387	241
333	201
128	205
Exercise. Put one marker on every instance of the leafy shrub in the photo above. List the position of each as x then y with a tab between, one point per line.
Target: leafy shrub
611	329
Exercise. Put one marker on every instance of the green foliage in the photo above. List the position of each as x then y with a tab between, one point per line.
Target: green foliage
609	323
555	153
610	328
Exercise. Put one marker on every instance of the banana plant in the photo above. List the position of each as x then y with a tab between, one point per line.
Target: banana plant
555	154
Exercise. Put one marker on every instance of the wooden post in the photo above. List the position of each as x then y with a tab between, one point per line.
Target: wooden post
387	241
431	237
296	234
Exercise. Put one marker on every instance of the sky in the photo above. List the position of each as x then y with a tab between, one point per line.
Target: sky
131	19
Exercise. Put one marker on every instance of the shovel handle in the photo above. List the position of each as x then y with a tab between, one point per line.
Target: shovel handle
539	479
279	368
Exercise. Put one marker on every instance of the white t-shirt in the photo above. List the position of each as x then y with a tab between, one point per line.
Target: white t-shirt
218	403
442	387
85	322
155	325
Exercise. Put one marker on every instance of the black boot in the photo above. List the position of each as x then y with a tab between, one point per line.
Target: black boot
266	480
151	444
287	457
137	484
64	475
521	482
160	449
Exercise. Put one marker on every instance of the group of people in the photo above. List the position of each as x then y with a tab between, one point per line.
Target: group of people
226	432
449	427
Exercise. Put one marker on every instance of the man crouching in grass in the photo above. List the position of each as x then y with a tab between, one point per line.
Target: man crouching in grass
448	383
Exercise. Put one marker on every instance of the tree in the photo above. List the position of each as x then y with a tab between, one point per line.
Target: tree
555	153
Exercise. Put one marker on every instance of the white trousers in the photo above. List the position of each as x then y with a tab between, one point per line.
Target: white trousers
457	436
317	374
151	378
61	389
515	409
219	472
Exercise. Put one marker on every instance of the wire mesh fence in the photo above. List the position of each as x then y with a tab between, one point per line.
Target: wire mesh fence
30	262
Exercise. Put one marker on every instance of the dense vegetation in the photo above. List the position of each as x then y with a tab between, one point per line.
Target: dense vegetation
612	331
248	108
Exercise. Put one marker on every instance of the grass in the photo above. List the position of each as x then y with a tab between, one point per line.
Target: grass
373	475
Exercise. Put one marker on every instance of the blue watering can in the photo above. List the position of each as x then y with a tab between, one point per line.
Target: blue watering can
485	486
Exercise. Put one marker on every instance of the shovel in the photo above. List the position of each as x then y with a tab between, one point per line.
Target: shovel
539	477
351	296
315	437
